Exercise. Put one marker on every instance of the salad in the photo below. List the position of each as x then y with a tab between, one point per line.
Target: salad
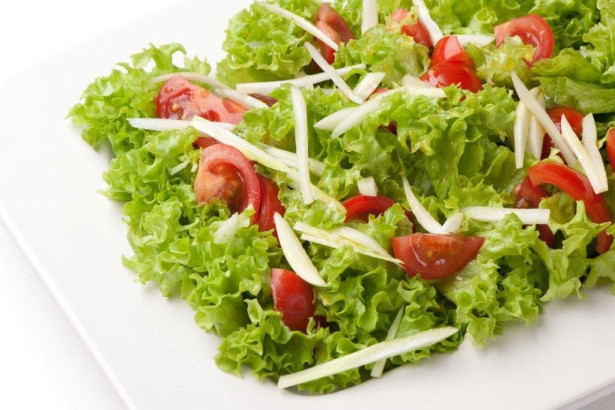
364	183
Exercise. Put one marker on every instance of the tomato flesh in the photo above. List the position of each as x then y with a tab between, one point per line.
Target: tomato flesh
360	207
529	196
179	99
335	27
293	297
445	74
610	147
449	50
533	30
417	31
579	188
270	204
225	173
435	256
575	119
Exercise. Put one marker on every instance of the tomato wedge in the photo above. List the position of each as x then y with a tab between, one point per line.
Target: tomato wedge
529	196
445	74
578	187
533	30
333	25
293	297
575	119
225	173
270	204
179	99
610	147
360	207
449	50
417	31
435	256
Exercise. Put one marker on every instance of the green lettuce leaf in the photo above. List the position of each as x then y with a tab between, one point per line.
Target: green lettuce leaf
601	49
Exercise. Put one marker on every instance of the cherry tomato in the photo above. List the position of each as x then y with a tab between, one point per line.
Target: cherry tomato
578	187
529	196
225	173
575	119
179	99
610	147
445	74
335	27
360	207
270	204
293	297
417	31
435	256
533	30
449	50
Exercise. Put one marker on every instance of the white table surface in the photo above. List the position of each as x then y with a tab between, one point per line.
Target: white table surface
42	365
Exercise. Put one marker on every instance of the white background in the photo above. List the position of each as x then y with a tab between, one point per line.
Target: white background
42	364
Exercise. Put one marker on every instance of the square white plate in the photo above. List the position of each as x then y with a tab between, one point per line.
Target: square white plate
149	348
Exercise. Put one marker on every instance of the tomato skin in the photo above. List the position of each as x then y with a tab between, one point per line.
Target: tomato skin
610	146
435	256
529	196
579	188
225	173
445	74
293	297
533	30
270	101
360	207
417	31
575	119
270	204
204	141
449	50
327	52
180	99
333	25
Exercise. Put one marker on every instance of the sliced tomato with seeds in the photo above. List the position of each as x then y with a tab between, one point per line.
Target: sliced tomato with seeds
179	99
574	117
610	147
417	30
449	50
529	196
445	74
533	30
435	256
225	173
270	204
293	297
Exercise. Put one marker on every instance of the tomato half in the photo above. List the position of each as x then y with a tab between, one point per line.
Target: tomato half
225	173
335	27
575	119
179	99
445	74
449	50
293	297
579	188
417	31
435	256
610	147
533	30
360	207
529	196
270	204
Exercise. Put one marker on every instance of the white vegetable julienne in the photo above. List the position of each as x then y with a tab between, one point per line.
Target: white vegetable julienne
331	121
491	214
158	124
523	117
367	186
590	141
301	144
368	84
360	239
294	253
422	215
373	353
304	81
358	115
453	223
240	98
543	118
369	15
379	365
290	159
411	81
198	77
229	228
592	170
318	194
435	34
301	22
536	134
335	77
479	40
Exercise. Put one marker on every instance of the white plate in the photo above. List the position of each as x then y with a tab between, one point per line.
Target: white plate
149	348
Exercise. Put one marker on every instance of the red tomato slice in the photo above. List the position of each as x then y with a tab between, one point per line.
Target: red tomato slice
445	74
435	256
293	297
575	119
610	147
327	52
333	25
578	187
225	173
449	50
270	204
529	196
533	30
360	207
417	31
179	99
204	141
